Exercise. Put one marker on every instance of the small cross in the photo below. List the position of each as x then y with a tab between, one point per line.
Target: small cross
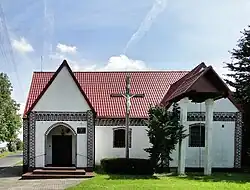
128	96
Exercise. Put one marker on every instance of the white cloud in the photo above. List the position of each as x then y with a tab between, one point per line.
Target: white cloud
123	63
66	48
22	45
115	63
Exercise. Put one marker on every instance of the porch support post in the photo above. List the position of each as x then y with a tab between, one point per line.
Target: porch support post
208	137
183	143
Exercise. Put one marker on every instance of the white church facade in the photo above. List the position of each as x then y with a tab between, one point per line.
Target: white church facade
70	118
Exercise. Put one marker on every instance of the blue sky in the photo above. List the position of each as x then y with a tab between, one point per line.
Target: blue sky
92	35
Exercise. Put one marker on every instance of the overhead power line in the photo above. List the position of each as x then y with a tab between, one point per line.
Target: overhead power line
6	47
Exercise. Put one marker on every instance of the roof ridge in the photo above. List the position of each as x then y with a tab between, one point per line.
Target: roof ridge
160	71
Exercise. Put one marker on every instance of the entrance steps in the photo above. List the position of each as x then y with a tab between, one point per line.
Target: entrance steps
57	173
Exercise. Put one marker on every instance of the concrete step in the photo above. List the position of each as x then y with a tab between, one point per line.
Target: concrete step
59	168
61	172
31	175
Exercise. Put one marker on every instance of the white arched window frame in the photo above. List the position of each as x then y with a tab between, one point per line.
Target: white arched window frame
197	135
119	137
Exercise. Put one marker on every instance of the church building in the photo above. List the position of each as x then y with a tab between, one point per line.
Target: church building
71	119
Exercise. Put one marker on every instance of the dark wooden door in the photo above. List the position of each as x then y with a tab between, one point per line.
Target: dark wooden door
61	150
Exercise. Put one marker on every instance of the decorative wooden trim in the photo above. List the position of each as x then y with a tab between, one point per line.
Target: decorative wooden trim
119	122
238	140
90	138
217	116
61	116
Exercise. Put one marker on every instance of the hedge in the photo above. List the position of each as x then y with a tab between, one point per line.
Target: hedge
131	166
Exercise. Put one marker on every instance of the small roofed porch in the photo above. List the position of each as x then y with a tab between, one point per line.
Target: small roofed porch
202	84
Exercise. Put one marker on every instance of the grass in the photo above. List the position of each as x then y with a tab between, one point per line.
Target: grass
20	163
7	153
192	181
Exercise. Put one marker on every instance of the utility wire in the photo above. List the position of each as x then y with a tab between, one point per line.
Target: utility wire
8	46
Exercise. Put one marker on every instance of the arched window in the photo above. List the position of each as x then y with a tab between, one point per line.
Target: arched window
119	137
197	135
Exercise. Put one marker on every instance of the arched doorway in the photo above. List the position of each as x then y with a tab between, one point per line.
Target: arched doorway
60	146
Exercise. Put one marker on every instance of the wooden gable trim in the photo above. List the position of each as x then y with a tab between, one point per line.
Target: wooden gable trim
64	64
207	71
175	85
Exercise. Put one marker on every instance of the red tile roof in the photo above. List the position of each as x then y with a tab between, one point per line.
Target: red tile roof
99	85
180	86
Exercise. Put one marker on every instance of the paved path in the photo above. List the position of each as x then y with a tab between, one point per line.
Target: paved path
45	184
10	160
10	177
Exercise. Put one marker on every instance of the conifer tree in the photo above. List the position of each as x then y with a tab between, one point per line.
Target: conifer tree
164	132
239	78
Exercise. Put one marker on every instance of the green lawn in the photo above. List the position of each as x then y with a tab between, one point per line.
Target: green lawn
4	154
7	153
168	182
20	163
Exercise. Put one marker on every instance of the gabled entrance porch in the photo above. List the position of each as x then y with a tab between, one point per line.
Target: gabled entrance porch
202	84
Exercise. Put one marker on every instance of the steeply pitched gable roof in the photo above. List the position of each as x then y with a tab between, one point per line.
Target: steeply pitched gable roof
40	91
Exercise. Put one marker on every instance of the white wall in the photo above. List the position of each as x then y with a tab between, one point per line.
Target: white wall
104	143
62	95
221	105
223	141
222	152
81	149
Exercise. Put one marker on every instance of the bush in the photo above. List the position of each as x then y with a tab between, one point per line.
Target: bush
132	166
11	146
19	144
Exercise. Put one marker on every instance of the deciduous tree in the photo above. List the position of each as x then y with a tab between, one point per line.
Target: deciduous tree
10	121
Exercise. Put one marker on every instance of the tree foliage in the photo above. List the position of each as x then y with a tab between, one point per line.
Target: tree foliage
164	132
240	69
239	78
10	121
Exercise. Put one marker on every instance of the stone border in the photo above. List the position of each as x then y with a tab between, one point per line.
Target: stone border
238	140
30	129
90	139
32	139
25	145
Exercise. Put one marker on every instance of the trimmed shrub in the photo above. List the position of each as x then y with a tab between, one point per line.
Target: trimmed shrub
131	166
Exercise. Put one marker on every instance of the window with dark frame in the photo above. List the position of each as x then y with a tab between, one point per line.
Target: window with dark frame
197	135
119	138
